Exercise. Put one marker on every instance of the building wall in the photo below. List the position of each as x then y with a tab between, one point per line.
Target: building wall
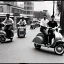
4	9
28	7
28	10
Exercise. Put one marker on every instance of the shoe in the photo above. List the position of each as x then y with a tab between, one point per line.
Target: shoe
48	45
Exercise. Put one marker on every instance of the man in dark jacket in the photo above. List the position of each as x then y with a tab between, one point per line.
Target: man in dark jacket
53	24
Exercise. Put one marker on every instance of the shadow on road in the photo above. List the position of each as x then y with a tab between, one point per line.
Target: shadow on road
6	42
21	37
46	51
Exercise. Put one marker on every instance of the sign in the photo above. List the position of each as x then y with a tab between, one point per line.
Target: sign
16	14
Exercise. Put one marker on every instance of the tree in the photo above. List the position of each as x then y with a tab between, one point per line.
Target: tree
59	6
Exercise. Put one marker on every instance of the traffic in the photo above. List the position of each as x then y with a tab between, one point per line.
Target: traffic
50	36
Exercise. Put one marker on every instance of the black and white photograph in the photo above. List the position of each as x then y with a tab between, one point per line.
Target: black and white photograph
32	31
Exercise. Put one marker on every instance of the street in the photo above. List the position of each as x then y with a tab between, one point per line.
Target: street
22	50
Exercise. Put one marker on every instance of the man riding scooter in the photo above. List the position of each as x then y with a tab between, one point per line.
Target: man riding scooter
8	23
52	24
46	25
21	23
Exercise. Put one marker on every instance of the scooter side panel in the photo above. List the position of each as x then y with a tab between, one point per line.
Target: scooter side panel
38	39
58	38
21	32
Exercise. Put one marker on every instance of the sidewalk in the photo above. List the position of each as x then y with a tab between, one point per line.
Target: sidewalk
27	28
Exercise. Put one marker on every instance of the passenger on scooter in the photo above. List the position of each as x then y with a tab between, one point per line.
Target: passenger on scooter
43	24
52	24
8	21
43	27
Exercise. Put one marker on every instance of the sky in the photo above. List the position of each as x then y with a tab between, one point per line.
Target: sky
42	5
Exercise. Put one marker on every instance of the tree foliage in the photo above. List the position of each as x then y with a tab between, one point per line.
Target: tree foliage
59	6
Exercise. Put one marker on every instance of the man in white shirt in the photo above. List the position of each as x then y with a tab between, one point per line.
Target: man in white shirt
43	27
8	20
43	24
22	22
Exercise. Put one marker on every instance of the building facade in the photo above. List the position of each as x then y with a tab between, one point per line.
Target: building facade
28	10
11	8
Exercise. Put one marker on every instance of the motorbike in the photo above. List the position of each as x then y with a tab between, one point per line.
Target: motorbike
57	42
21	30
32	26
6	32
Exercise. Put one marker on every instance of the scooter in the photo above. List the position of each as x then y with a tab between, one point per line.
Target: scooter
6	33
32	26
57	42
21	31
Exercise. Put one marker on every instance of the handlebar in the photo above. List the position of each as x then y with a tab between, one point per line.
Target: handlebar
52	28
20	25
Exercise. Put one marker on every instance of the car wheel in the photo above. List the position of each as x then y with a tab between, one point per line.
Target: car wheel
37	46
59	49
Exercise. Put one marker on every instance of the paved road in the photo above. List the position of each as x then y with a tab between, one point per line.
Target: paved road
22	50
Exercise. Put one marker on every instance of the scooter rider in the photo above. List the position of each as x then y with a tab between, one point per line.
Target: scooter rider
43	27
52	24
8	21
22	22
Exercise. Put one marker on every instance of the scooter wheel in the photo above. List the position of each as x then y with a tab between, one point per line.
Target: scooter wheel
37	46
59	49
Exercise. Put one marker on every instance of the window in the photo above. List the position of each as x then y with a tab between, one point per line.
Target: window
1	8
21	11
28	12
14	10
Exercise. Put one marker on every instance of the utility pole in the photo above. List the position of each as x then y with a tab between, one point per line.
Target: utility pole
53	7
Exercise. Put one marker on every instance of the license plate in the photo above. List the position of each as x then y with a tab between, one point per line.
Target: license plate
21	35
